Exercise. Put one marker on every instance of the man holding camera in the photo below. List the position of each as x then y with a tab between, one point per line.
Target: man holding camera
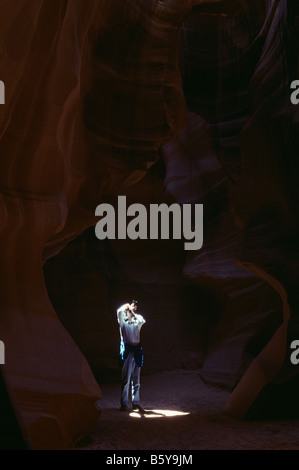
130	324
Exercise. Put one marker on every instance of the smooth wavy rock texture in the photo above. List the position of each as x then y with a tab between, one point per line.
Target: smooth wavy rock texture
160	101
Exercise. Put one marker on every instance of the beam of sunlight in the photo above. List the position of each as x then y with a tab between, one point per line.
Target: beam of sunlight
158	414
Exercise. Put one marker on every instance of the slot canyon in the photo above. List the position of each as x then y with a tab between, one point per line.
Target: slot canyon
162	101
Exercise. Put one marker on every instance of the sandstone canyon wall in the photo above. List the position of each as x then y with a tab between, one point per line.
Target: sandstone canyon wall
161	101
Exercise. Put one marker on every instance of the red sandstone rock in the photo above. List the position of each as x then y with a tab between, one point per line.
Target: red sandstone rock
94	97
79	77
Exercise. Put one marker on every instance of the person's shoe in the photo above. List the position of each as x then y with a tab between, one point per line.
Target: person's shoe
124	408
137	408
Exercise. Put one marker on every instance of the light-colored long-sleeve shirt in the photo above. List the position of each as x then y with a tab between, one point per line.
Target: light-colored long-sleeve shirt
130	330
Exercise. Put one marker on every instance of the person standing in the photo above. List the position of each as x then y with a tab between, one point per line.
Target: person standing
130	324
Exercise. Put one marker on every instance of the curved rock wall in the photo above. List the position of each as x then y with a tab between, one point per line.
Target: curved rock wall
160	101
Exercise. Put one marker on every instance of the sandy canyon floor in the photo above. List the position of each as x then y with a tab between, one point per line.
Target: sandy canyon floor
182	413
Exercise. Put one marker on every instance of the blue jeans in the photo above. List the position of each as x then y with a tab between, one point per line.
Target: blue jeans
130	372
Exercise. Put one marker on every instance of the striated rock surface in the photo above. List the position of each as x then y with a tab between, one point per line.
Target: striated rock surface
254	133
162	101
78	78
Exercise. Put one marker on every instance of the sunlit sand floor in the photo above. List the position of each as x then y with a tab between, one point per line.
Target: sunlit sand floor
182	413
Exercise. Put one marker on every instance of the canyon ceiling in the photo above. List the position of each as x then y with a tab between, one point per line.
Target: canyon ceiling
161	101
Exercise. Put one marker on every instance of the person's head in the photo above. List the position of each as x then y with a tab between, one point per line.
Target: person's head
134	305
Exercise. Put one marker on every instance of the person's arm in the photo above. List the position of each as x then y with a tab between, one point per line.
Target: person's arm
140	319
121	313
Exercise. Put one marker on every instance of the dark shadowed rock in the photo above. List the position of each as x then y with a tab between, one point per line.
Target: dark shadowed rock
184	102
